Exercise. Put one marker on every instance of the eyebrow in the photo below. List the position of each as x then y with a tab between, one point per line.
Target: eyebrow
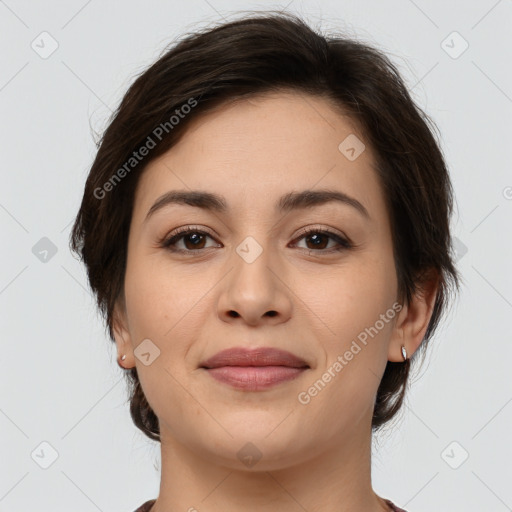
288	202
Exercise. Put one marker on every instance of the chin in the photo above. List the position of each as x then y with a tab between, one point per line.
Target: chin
257	443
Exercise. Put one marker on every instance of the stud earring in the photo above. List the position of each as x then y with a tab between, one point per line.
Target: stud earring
122	358
404	353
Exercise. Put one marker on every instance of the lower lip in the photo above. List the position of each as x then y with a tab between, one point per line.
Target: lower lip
254	378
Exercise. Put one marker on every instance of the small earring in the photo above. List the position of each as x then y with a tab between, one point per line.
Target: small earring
404	353
122	358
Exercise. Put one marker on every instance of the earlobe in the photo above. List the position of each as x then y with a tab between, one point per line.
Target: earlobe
122	339
413	320
395	353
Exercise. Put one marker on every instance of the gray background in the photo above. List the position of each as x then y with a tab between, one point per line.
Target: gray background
60	383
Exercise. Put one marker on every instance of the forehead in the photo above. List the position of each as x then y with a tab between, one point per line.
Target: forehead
256	149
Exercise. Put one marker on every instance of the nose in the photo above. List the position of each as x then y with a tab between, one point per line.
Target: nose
255	292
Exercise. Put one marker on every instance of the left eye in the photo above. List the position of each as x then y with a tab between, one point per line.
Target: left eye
194	240
317	238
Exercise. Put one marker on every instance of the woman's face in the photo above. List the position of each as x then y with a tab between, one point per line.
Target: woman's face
247	276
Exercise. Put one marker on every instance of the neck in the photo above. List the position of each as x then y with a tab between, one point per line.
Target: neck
337	480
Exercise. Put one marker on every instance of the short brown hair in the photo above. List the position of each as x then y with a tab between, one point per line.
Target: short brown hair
256	54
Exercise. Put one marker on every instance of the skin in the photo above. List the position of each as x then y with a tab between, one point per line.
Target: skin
315	456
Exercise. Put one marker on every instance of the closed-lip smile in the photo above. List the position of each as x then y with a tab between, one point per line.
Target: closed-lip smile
254	369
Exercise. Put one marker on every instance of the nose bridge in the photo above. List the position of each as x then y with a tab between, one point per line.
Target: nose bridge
253	289
252	260
250	250
255	234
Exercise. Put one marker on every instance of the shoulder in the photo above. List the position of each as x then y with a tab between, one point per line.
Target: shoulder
394	507
145	507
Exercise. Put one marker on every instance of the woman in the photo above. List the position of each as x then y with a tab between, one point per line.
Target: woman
266	229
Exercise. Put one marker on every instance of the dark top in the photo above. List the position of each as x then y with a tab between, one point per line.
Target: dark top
147	506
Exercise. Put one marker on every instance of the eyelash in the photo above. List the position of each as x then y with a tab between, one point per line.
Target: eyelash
169	242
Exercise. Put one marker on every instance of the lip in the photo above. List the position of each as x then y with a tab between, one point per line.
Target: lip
254	369
262	356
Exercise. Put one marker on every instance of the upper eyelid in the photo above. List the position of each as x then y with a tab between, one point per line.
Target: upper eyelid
303	231
327	231
321	229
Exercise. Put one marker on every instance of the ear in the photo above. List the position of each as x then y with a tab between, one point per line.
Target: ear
413	319
122	335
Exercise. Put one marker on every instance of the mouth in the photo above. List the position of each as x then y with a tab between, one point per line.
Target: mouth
254	369
262	356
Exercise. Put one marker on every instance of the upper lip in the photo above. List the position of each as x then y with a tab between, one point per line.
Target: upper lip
262	356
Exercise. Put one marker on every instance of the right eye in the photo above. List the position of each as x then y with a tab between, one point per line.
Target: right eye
192	239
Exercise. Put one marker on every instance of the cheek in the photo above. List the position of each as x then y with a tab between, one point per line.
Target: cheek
158	295
164	307
345	299
353	338
167	307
